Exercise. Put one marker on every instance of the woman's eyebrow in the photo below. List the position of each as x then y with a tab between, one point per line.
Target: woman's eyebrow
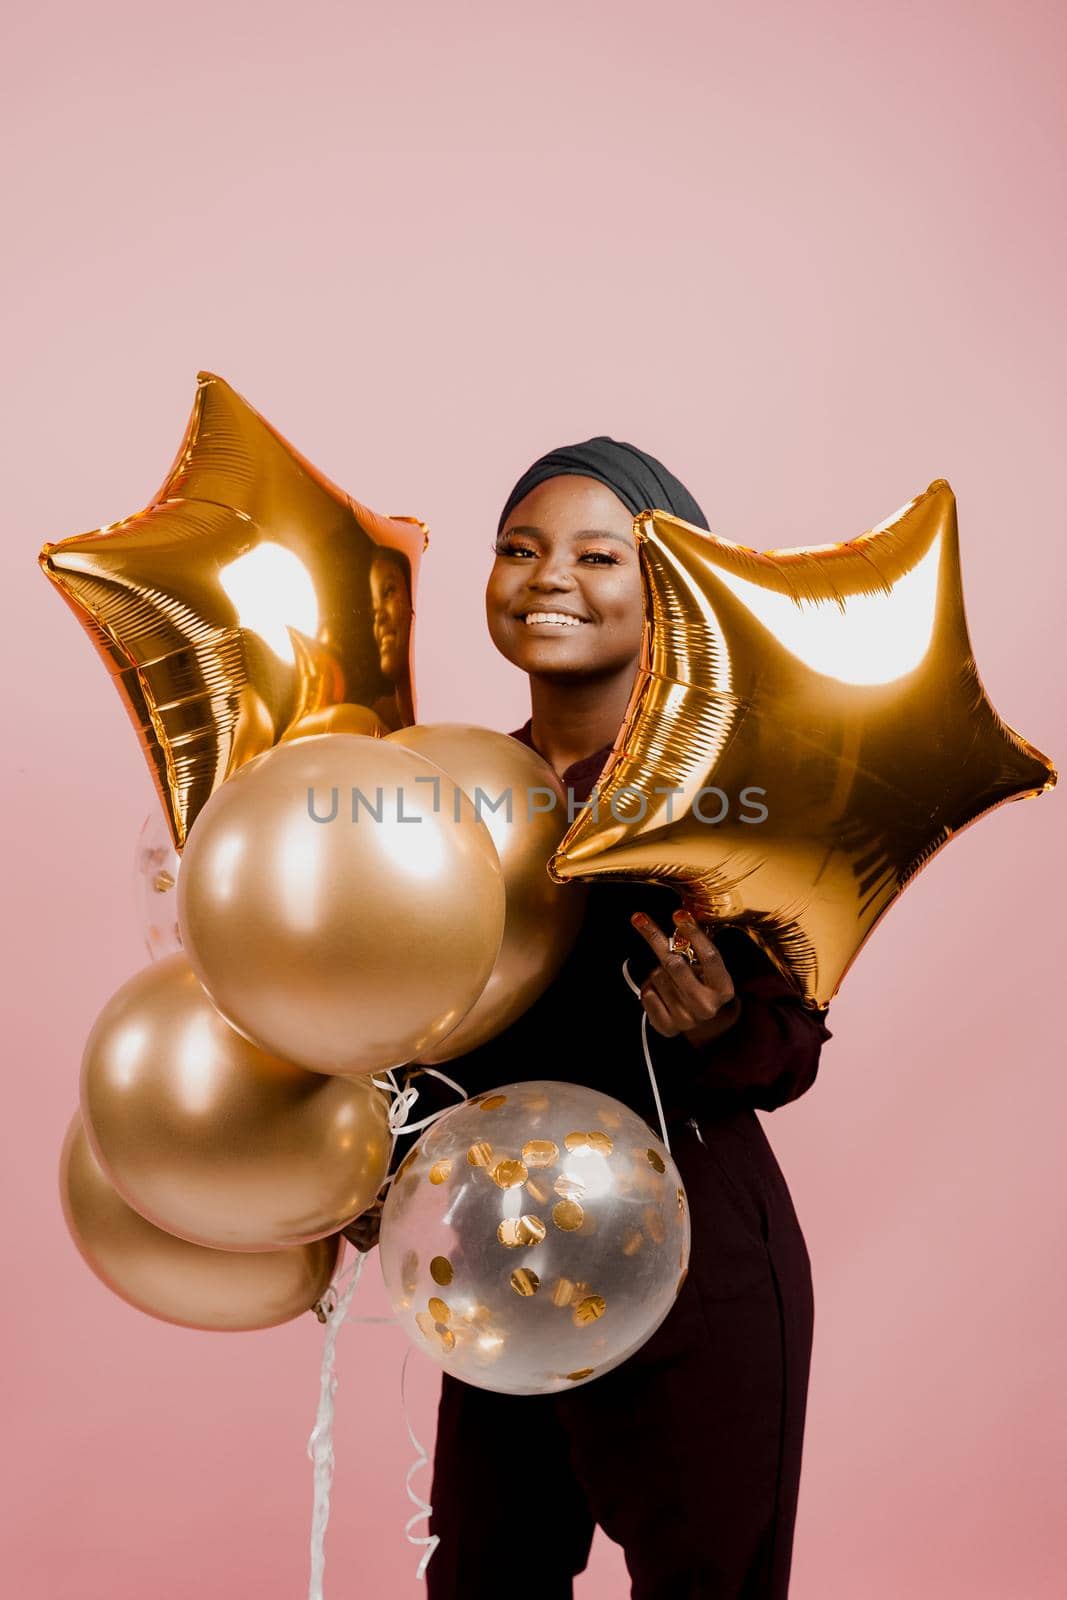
582	533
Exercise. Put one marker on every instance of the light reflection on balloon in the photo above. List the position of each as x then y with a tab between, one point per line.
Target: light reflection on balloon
807	728
535	1237
173	1280
245	604
521	802
347	938
214	1140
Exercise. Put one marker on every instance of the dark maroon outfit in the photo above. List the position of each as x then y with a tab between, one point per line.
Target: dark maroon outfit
688	1455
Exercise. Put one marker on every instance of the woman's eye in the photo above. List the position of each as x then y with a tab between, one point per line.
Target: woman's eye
600	555
506	548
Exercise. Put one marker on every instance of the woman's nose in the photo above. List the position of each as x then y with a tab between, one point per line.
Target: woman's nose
551	573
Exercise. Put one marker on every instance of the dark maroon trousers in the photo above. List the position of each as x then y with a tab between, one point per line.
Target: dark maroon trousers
688	1455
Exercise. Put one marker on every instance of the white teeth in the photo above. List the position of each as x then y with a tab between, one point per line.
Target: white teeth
553	616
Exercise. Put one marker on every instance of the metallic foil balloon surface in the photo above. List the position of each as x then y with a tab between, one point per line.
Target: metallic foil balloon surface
341	902
818	717
179	1282
251	596
211	1139
521	801
534	1238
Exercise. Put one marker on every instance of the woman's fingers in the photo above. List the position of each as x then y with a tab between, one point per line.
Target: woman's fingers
689	994
712	966
658	1013
674	980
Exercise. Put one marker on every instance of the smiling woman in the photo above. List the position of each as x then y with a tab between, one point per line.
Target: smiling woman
564	604
688	1454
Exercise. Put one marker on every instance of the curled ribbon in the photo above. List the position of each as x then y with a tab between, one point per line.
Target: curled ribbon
332	1309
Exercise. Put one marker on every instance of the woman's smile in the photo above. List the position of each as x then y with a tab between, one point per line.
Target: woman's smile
564	597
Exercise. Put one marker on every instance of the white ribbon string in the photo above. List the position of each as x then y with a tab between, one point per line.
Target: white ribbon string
404	1100
320	1444
648	1055
423	1508
333	1309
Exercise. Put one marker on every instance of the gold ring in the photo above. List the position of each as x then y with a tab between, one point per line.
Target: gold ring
683	948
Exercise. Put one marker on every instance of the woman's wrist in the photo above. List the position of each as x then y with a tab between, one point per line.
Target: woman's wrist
720	1023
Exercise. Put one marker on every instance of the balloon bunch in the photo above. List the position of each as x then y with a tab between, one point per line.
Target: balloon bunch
258	625
347	903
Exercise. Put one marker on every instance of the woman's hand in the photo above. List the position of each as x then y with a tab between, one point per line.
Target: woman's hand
679	997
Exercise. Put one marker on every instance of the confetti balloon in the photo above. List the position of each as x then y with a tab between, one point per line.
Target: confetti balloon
535	1237
807	728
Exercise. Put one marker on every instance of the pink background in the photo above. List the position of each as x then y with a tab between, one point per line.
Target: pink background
814	257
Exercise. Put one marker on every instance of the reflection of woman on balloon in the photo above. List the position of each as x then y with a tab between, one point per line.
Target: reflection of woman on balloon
390	588
688	1454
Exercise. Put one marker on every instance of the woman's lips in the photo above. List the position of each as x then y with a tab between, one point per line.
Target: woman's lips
560	620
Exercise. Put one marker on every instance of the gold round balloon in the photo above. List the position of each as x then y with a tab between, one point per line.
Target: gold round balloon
250	595
341	903
211	1139
807	729
522	802
173	1280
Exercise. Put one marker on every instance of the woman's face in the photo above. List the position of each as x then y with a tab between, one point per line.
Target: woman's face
391	611
565	596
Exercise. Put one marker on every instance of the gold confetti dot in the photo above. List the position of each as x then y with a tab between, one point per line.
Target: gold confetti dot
439	1311
576	1377
600	1143
568	1215
535	1102
409	1272
569	1187
425	1324
654	1225
441	1270
540	1153
608	1117
589	1309
440	1171
480	1154
494	1102
537	1191
508	1174
162	882
577	1141
525	1282
632	1242
681	1202
562	1292
655	1160
521	1232
446	1337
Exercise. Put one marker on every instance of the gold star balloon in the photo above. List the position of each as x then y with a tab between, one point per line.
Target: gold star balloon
806	729
252	601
